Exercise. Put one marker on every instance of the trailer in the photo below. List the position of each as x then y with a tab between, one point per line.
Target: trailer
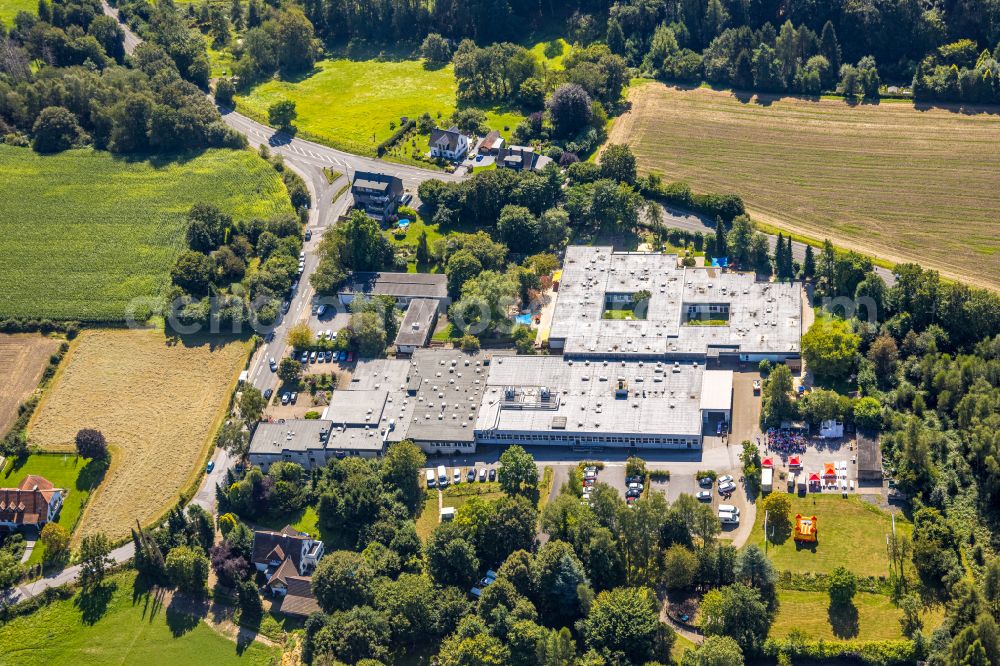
766	479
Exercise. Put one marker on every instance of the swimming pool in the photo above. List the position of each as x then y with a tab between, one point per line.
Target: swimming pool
524	319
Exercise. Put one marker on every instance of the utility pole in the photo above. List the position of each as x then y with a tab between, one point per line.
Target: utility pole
765	531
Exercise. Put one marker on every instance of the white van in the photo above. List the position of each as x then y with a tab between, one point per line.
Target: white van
431	479
457	476
728	518
442	476
729	508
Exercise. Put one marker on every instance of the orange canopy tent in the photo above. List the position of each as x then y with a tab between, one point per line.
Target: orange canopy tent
829	470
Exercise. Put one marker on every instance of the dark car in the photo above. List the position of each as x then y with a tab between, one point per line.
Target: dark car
705	482
493	474
632	492
471	476
268	393
309	234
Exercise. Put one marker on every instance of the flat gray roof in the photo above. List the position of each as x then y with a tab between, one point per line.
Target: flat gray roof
764	317
433	396
406	285
550	393
418	322
274	437
356	408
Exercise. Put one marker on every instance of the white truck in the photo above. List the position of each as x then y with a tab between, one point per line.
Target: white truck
442	476
766	479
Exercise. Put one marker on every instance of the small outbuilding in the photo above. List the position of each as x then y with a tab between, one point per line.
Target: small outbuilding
869	457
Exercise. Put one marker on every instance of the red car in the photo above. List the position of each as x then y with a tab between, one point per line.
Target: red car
350	356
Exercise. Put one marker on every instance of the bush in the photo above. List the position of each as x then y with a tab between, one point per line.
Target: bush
706	474
660	475
470	343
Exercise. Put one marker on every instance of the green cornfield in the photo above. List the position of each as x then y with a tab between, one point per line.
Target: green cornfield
83	233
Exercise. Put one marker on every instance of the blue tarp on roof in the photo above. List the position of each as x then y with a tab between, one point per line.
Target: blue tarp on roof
720	262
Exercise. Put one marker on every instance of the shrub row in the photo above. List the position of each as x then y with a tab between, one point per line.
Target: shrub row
403	130
659	474
819	582
69	328
726	206
881	653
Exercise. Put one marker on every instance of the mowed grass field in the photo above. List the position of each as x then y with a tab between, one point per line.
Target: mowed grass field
889	180
10	8
851	534
82	233
75	475
877	619
157	402
348	104
23	358
133	628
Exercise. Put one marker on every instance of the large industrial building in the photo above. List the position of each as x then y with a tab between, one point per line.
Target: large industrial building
634	373
692	313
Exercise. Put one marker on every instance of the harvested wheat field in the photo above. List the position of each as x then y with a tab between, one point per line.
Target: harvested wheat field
158	405
888	180
23	358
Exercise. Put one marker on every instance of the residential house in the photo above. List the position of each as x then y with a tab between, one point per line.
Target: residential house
449	144
377	194
284	554
492	144
520	158
34	502
403	287
299	600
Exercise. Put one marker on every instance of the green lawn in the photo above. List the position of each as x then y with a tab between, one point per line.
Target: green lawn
455	496
681	645
105	230
875	618
851	534
348	104
127	626
10	8
68	472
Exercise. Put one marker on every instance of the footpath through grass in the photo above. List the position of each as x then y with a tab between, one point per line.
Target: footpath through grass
65	470
851	534
124	624
83	233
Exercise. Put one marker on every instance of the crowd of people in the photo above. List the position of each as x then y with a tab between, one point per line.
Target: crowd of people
785	441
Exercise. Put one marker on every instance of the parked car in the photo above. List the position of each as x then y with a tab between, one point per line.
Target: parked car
756	386
705	495
309	234
493	474
268	392
471	476
350	356
726	478
342	356
211	466
321	357
295	396
329	357
329	334
284	307
304	358
632	492
312	357
273	364
321	310
727	487
705	482
482	474
406	199
458	475
636	486
729	508
302	255
286	398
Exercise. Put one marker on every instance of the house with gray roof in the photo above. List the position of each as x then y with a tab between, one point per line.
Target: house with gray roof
403	287
377	194
417	326
449	144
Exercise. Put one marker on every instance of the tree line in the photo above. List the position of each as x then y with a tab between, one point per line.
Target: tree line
85	94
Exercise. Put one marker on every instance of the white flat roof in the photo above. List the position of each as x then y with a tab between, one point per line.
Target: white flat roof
717	390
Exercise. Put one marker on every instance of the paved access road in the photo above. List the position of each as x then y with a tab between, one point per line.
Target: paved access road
681	219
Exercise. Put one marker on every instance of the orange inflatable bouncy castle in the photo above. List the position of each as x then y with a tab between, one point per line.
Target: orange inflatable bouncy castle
805	528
